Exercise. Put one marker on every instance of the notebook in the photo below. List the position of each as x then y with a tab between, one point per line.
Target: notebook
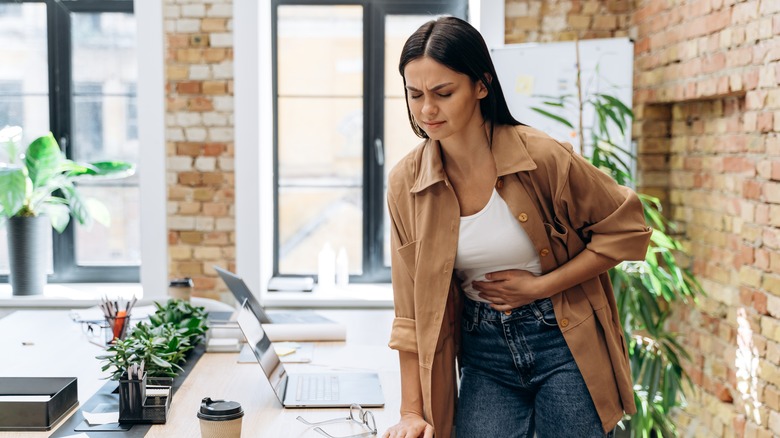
307	390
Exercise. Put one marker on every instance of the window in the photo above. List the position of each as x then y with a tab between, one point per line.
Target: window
72	70
336	89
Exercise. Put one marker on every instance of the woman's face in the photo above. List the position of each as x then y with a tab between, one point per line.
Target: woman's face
443	102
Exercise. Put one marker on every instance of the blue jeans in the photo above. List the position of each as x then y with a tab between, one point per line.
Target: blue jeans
519	377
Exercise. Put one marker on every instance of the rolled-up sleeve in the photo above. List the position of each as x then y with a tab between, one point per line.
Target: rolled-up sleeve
609	217
403	335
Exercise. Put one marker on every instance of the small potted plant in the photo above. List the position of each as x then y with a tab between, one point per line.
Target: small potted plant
162	344
38	189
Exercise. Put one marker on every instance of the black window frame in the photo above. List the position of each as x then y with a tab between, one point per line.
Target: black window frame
374	13
58	12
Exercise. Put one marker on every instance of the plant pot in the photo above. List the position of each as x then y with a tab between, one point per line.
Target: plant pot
27	238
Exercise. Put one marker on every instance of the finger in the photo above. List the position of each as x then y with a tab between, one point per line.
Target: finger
428	431
493	298
501	307
486	286
501	275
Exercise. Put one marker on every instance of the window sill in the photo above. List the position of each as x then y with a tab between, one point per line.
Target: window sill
68	295
359	295
74	295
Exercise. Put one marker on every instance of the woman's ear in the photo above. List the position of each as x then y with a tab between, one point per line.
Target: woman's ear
482	90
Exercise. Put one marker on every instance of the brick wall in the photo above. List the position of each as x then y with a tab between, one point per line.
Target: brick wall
199	136
707	106
706	83
565	20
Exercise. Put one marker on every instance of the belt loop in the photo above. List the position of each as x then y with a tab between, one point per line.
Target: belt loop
537	312
477	311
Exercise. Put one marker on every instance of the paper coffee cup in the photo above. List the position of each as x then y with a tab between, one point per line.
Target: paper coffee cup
220	418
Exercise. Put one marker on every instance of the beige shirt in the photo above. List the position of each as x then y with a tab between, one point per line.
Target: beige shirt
566	206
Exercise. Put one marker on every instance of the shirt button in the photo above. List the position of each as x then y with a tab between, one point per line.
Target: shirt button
544	252
500	183
564	322
522	217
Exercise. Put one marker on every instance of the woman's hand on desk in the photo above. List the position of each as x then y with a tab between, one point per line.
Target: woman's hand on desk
507	290
410	426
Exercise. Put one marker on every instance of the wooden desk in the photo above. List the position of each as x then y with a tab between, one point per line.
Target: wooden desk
60	348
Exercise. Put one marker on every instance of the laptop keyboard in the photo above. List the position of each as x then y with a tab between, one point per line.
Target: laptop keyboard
318	388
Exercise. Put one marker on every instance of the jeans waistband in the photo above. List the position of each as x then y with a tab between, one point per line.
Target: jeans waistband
477	311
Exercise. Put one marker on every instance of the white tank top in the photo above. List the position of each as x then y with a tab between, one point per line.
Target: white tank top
492	240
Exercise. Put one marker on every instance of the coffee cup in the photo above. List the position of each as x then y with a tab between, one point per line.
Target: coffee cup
220	418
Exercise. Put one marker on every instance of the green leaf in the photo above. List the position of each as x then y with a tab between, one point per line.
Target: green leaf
58	215
98	211
42	159
555	117
13	188
105	169
77	206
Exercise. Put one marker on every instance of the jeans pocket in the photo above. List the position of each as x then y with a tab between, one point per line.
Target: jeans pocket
548	317
467	324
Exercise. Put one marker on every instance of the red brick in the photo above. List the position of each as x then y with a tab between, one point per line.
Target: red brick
751	189
191	179
213	149
188	87
760	303
188	148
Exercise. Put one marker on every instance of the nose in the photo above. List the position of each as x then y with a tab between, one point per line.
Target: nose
429	108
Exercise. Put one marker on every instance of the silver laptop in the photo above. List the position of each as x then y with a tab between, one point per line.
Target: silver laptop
241	292
307	390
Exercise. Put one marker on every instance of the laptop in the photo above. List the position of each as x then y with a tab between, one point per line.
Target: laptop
242	293
307	390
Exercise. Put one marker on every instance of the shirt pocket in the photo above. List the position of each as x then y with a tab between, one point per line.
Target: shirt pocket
408	255
559	240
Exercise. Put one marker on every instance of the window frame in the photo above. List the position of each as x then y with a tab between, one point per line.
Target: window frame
66	268
373	198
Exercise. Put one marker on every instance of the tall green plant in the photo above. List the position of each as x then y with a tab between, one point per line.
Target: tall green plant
644	290
44	181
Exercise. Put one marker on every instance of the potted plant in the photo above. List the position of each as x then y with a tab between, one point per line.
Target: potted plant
162	345
38	189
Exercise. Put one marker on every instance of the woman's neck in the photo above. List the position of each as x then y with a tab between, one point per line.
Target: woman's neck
466	154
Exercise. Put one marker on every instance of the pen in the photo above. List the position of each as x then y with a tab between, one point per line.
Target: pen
119	323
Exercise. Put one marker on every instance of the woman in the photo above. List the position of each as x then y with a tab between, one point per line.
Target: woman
501	239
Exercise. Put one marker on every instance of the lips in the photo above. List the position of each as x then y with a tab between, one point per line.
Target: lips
433	124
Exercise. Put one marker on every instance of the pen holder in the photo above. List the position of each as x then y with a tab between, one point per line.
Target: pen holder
117	327
132	394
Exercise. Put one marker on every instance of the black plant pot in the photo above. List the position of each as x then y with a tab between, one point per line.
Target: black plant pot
27	253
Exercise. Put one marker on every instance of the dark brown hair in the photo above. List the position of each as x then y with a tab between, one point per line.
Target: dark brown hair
455	44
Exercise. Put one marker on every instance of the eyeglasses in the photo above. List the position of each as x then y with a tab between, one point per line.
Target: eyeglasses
356	415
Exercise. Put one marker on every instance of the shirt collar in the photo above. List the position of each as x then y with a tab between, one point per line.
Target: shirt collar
509	151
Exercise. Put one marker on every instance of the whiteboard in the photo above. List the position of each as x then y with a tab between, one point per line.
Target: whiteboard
527	71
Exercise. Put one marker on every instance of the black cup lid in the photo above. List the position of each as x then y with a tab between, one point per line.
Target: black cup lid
219	410
181	282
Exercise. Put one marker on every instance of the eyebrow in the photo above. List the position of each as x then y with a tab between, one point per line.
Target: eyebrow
436	88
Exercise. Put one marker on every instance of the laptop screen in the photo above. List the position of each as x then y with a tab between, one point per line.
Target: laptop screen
263	349
241	291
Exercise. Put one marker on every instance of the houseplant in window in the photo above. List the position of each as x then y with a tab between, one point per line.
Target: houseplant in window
38	190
